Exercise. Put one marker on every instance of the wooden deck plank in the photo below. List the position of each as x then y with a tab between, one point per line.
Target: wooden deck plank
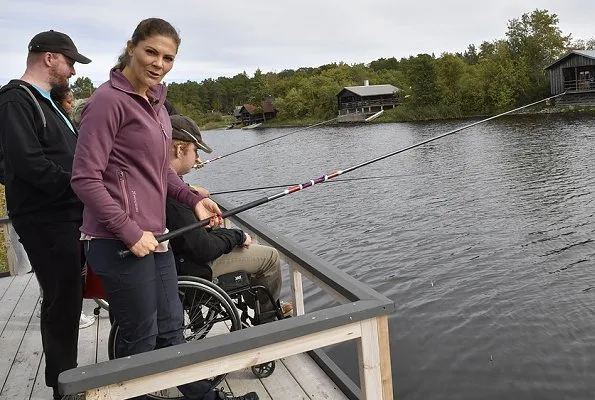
281	385
296	377
40	390
17	324
4	284
22	374
87	338
10	300
244	381
311	378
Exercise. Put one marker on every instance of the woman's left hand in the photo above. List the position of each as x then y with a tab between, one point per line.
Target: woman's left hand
207	208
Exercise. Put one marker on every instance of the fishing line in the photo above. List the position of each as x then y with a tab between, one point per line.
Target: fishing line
324	178
266	141
293	184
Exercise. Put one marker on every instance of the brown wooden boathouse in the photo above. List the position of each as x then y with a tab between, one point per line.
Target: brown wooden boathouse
574	73
367	99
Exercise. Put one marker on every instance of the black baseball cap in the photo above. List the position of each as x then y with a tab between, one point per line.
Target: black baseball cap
186	130
56	42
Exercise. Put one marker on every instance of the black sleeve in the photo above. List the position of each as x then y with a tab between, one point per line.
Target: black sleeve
24	152
171	110
199	245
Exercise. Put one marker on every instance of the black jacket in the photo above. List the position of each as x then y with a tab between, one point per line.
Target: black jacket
37	161
195	249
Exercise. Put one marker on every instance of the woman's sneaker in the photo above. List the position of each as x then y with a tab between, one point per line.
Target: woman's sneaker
86	321
223	395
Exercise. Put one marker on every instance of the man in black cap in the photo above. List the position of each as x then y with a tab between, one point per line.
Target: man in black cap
37	142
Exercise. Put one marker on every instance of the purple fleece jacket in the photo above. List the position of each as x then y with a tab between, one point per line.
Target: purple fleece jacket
121	164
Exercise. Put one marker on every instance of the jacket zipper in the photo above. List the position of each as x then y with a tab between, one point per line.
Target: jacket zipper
124	192
164	166
164	169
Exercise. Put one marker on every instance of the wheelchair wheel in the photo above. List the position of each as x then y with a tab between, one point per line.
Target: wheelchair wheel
263	370
207	308
101	303
208	311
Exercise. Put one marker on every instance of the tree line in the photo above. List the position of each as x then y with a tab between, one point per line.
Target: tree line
485	79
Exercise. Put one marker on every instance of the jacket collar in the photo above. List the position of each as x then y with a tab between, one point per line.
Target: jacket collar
119	81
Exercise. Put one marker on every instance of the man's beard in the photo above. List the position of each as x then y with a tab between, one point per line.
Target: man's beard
57	79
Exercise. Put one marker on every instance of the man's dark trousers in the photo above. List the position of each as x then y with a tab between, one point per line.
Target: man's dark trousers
54	250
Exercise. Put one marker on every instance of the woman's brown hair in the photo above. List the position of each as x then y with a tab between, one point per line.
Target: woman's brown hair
147	28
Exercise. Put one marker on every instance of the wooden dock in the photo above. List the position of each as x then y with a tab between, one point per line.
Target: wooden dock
22	362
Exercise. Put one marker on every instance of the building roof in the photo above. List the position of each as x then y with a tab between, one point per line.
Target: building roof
584	53
372	90
249	107
267	107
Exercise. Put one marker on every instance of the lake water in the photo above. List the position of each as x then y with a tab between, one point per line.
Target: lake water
483	240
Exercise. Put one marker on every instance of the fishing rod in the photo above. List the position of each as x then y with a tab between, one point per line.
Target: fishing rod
293	184
324	178
266	141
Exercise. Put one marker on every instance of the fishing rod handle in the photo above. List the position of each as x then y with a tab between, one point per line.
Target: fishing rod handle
169	235
124	253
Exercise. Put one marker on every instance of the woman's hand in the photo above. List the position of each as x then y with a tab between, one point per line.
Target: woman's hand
207	208
145	246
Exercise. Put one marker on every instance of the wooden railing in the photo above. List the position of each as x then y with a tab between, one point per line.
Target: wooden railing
368	103
362	315
579	85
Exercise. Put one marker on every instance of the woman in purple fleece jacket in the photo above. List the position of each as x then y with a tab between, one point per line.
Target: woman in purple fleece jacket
121	173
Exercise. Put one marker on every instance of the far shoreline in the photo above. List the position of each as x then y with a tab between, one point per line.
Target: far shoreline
548	110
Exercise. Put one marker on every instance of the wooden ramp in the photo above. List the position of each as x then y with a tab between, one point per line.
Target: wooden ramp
22	363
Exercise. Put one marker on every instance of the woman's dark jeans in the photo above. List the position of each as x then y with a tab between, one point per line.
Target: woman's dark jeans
143	298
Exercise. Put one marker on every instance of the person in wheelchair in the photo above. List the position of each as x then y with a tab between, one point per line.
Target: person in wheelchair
220	251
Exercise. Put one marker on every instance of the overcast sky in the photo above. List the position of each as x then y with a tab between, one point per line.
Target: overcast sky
224	38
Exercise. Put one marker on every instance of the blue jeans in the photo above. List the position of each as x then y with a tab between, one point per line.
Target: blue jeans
143	298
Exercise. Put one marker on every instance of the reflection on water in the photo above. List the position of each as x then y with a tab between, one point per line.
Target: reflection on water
484	240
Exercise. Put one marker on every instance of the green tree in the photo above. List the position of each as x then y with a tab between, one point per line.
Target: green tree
470	55
450	70
537	37
82	88
292	106
535	41
581	44
384	64
501	79
423	80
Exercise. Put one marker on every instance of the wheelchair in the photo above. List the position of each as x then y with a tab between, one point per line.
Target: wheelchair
230	302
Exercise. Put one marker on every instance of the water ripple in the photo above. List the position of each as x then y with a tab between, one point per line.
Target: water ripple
483	240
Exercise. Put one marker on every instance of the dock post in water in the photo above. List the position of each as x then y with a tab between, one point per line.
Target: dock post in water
374	360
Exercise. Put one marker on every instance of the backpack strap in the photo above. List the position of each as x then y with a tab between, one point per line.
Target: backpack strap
36	104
